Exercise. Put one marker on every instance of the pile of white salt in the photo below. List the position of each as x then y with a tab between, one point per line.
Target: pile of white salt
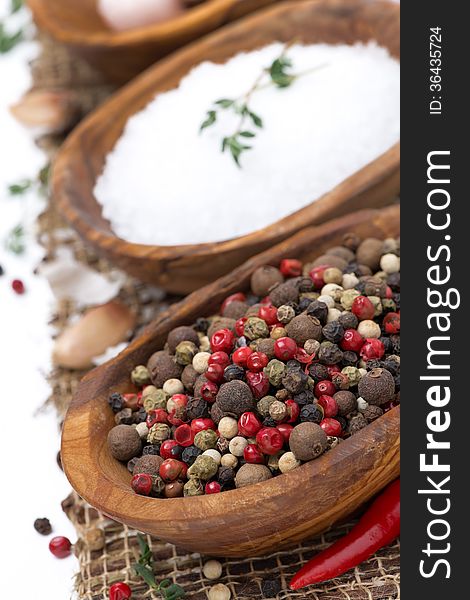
165	183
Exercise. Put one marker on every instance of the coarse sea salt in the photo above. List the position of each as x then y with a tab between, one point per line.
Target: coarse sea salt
165	183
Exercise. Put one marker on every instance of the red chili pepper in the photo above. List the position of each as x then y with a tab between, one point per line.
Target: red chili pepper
379	526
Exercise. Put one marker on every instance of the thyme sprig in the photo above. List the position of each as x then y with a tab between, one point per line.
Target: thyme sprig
145	569
279	74
9	40
16	240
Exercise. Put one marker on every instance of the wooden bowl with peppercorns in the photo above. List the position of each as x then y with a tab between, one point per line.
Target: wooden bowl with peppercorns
121	55
184	268
258	518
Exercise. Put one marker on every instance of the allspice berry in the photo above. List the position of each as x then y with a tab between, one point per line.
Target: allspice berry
304	327
248	474
181	334
377	386
283	293
150	463
162	366
235	398
369	253
219	592
346	402
372	412
173	489
188	377
235	310
266	345
308	441
357	423
264	278
124	442
220	323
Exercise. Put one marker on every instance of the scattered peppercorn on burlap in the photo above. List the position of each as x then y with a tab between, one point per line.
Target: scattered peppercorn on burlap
105	549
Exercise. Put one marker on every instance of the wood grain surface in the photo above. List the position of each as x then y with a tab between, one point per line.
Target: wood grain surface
260	518
182	269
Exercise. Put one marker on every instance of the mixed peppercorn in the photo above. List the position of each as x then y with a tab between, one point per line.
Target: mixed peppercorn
281	375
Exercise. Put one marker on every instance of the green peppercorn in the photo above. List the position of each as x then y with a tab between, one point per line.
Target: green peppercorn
205	439
185	352
193	487
153	398
264	405
348	297
140	375
204	467
285	313
352	374
158	433
255	328
275	371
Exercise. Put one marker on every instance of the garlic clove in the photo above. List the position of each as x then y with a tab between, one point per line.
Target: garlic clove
50	111
98	329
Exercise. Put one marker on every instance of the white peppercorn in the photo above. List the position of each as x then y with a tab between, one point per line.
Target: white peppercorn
173	386
201	362
204	344
237	445
361	404
390	263
228	427
288	462
333	275
219	592
349	281
229	460
333	315
212	569
332	289
213	453
142	430
328	300
369	329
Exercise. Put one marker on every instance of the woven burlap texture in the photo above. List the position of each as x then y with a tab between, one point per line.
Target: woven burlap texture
375	579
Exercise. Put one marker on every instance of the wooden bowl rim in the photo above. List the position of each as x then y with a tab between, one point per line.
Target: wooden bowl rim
61	172
109	38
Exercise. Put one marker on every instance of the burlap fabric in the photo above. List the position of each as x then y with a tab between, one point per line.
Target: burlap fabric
376	579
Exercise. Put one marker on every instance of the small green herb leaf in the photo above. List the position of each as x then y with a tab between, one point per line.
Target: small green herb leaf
278	72
147	575
15	241
256	119
19	188
170	590
145	557
210	120
9	41
247	134
225	103
15	6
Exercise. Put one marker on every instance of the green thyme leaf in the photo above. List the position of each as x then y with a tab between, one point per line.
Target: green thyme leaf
247	134
278	72
19	188
44	176
9	41
225	103
210	120
147	575
170	590
15	241
146	557
256	119
15	6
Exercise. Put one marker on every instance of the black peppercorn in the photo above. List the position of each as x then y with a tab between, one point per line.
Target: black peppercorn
251	299
329	354
269	422
312	413
196	408
294	365
372	412
342	421
241	342
357	423
225	476
304	304
139	416
387	344
391	365
294	381
395	340
374	363
348	320
397	382
131	464
270	588
349	359
393	280
346	402
333	332
124	417
1	271
42	526
201	325
318	372
319	310
223	444
305	285
116	402
305	397
190	454
234	372
152	449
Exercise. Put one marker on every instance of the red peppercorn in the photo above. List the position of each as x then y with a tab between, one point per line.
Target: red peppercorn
290	267
209	391
391	323
268	313
388	292
285	348
372	349
332	370
142	483
257	361
329	405
238	297
240	356
285	430
252	454
202	424
303	356
222	340
213	487
363	308
172	469
324	387
219	358
352	340
167	449
316	275
18	286
215	373
60	546
184	435
240	326
158	415
249	424
265	300
177	401
270	440
120	591
293	411
174	418
331	427
258	382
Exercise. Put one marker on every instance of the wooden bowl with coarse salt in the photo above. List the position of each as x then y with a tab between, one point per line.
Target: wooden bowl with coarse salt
255	519
184	268
121	55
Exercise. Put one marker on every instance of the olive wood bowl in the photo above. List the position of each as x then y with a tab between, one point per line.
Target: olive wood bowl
121	55
182	269
258	518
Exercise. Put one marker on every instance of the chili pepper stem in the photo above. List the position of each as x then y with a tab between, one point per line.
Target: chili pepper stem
378	527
